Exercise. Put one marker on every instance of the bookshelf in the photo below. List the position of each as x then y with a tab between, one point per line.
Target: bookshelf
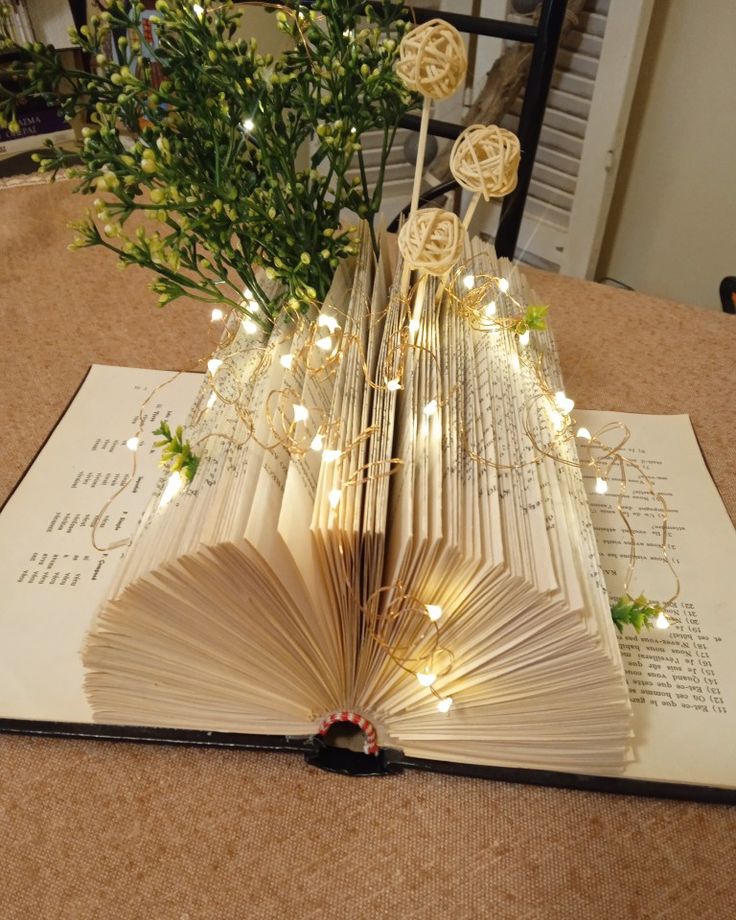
47	21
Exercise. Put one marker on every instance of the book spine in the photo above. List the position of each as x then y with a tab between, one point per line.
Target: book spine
22	143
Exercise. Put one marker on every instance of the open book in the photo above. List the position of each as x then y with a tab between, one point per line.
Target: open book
286	589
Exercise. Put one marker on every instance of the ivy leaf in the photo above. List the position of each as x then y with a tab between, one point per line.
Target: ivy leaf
535	317
176	453
637	612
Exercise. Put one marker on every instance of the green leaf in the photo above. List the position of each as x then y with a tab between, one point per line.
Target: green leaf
637	613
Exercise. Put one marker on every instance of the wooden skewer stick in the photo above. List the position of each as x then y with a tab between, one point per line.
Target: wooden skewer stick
474	201
421	148
418	171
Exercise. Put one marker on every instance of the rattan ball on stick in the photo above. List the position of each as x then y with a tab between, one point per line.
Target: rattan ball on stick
485	160
431	240
433	62
432	59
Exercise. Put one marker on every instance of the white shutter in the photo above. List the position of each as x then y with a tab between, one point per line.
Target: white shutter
582	135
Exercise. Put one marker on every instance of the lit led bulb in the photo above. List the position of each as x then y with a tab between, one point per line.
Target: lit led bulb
601	486
324	319
301	413
558	420
249	327
172	489
584	434
414	326
212	400
217	315
431	408
469	282
426	678
253	306
563	402
524	338
132	443
393	385
662	622
490	309
445	704
286	361
324	344
213	365
334	498
197	10
317	442
248	124
329	456
434	611
247	293
503	285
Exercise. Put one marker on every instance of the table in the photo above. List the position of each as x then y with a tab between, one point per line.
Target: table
100	829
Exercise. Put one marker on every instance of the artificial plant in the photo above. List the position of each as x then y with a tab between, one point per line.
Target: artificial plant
192	129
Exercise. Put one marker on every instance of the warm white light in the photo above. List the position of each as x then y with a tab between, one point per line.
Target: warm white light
430	408
286	361
434	611
334	498
324	319
329	456
490	309
558	420
253	305
212	400
248	124
213	365
601	486
217	315
469	282
426	678
524	338
353	130
503	285
414	326
197	10
393	385
172	489
317	442
301	413
247	293
325	344
445	704
132	443
584	434
249	326
563	402
662	622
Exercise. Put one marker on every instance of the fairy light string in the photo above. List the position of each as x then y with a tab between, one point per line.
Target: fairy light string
314	349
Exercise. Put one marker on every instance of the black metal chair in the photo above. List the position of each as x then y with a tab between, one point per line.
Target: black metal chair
545	37
727	290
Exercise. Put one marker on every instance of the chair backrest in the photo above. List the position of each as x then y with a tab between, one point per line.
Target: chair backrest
545	37
727	290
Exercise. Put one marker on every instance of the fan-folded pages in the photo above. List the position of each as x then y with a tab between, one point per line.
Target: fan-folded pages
285	583
280	588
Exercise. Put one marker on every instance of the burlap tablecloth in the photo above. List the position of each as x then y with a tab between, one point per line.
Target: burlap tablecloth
100	829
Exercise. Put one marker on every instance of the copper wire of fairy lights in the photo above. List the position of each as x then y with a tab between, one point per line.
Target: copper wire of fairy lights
392	617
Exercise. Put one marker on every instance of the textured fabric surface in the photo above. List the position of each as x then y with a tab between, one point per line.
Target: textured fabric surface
101	829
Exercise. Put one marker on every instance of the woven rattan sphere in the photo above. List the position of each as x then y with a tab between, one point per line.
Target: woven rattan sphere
432	240
432	59
485	158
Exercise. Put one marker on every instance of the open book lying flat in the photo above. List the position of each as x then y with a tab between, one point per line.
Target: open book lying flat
288	591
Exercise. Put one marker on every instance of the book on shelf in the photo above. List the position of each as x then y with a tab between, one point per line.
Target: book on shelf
38	124
378	545
45	21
